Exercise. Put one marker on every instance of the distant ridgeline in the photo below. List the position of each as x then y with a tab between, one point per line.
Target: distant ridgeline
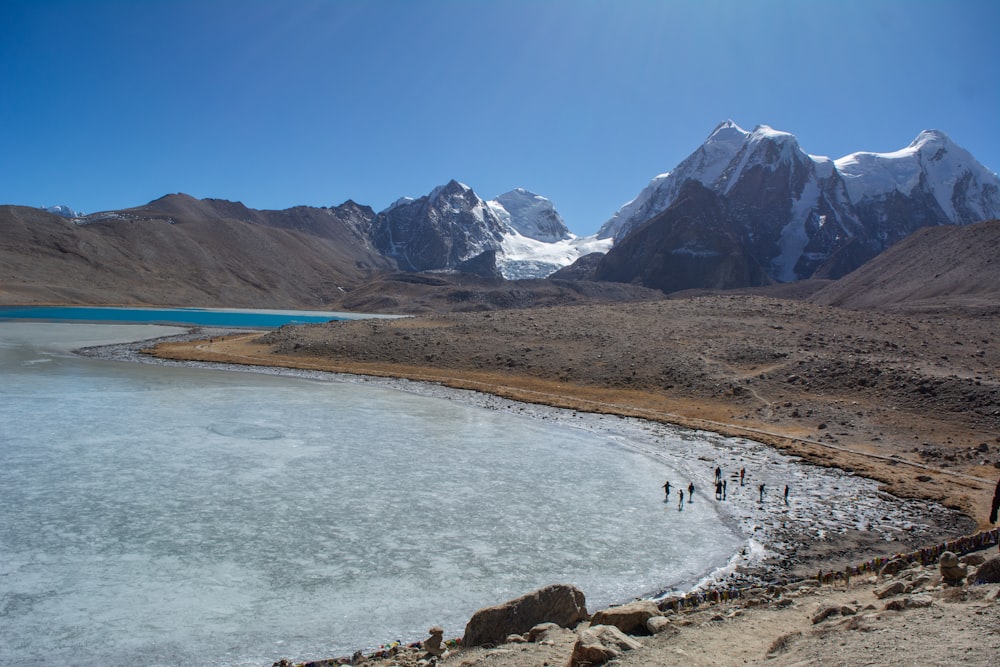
746	208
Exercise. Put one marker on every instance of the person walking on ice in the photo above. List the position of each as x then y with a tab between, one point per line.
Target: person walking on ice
666	490
786	494
680	505
690	492
761	489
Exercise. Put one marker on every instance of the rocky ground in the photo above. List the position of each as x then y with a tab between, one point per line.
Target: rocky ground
911	618
910	399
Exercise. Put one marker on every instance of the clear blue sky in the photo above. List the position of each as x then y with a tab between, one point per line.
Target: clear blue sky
110	104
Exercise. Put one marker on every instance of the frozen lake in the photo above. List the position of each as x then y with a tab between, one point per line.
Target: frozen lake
157	515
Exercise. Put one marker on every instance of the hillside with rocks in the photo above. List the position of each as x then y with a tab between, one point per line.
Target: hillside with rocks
957	266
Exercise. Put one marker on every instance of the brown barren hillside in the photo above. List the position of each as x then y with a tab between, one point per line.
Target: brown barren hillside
934	267
182	251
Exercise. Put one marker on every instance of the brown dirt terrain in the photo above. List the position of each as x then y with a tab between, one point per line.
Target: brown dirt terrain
911	399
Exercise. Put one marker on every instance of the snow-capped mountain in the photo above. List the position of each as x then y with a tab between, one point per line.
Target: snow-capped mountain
64	212
537	242
438	231
800	215
452	225
964	190
530	215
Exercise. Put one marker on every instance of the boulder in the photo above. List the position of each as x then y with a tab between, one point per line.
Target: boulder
433	644
918	583
894	588
660	624
973	559
825	613
989	572
951	571
600	643
901	604
893	567
629	618
561	604
545	632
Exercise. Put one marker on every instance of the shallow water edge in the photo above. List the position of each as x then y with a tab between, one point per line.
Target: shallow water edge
827	505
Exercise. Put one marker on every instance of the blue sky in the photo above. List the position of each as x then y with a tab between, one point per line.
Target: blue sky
110	104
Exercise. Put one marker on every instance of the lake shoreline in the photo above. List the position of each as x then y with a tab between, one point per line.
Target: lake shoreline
740	633
761	563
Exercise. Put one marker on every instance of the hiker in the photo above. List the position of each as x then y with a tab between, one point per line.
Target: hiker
718	473
718	489
786	494
761	487
743	471
666	490
690	491
680	505
723	489
996	507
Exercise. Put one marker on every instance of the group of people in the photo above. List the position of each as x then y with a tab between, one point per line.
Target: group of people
680	494
720	492
721	489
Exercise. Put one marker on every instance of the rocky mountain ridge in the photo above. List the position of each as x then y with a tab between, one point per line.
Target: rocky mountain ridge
184	251
798	216
745	209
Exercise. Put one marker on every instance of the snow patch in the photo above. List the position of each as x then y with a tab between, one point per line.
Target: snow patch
524	257
64	212
794	237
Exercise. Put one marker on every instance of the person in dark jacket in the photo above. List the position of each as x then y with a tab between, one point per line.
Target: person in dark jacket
996	504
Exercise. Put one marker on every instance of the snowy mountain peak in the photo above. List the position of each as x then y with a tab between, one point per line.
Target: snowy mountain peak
767	132
727	132
964	189
64	212
718	164
450	225
537	241
450	188
935	138
530	215
768	146
797	211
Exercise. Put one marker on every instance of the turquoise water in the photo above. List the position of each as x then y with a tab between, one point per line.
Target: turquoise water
212	317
